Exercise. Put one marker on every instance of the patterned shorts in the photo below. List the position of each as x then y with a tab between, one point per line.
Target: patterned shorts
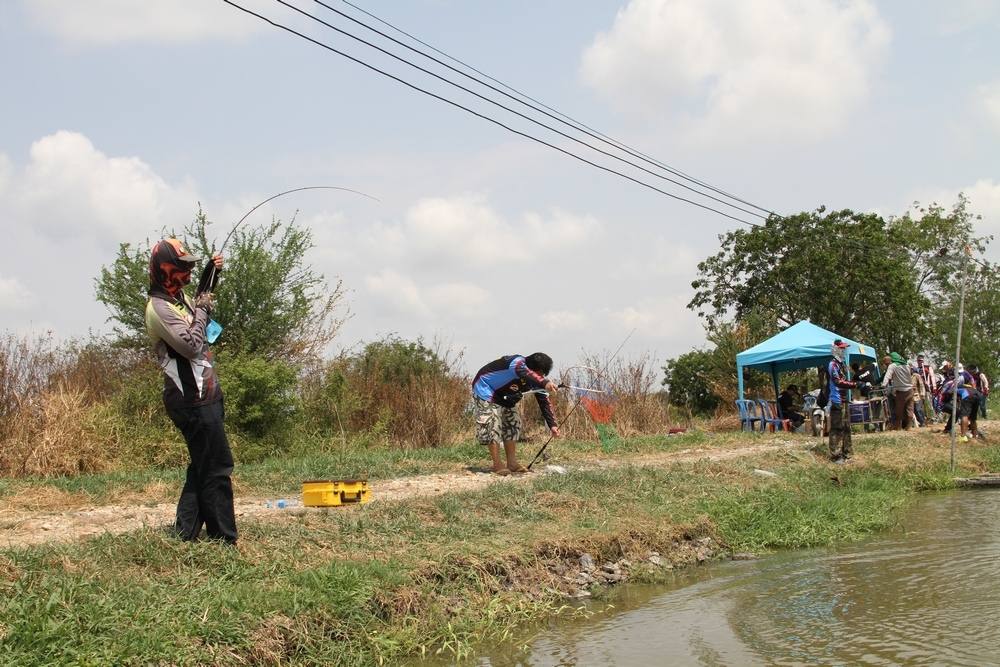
495	423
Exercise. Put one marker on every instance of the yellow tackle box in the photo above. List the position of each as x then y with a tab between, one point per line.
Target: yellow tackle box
335	492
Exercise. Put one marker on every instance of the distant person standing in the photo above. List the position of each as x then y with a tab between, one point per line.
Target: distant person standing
497	389
840	409
919	392
191	392
926	372
897	378
983	385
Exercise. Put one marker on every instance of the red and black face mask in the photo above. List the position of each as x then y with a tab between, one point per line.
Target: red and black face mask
169	267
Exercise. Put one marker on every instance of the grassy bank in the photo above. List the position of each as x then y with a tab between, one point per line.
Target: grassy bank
282	476
391	580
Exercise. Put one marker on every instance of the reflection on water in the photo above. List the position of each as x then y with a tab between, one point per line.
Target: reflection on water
923	595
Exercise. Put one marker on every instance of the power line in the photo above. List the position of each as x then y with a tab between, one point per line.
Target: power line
533	104
482	115
774	216
509	109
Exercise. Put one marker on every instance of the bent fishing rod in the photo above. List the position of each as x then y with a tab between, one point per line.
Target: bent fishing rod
607	365
210	276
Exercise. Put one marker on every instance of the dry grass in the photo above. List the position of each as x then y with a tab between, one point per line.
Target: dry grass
637	405
57	434
51	395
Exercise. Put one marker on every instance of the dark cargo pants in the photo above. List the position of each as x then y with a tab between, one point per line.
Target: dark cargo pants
207	496
840	431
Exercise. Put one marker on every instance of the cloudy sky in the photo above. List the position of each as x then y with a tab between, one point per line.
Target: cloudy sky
118	117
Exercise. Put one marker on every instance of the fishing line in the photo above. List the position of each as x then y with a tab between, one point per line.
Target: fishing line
210	279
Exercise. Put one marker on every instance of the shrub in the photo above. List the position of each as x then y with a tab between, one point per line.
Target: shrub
393	392
688	380
260	395
58	434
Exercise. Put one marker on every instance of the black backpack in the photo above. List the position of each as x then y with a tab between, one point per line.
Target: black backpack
824	395
824	390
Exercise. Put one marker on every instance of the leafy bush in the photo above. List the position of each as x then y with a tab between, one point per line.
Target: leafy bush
393	392
270	301
261	400
687	380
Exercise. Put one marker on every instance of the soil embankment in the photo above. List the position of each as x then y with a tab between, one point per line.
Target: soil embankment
24	527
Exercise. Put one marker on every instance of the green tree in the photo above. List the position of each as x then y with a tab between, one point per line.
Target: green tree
981	320
857	274
687	381
393	360
122	288
270	301
704	379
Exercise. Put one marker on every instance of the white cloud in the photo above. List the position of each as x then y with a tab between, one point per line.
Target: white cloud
111	21
444	301
988	96
984	200
70	189
764	68
13	294
958	16
660	258
664	318
463	300
65	209
465	232
564	320
6	172
398	292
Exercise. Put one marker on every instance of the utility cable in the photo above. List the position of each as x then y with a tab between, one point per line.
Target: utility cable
483	116
510	129
533	104
526	117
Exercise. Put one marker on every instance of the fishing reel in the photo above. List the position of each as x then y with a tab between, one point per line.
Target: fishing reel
209	278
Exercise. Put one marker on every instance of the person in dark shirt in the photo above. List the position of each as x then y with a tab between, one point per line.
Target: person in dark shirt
838	386
788	402
865	377
496	391
177	329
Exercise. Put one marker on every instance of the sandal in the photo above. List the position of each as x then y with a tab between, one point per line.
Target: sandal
518	469
502	472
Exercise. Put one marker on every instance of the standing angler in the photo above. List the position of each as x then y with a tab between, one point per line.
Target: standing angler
191	392
840	410
497	389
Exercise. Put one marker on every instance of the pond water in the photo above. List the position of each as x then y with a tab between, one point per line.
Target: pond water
923	594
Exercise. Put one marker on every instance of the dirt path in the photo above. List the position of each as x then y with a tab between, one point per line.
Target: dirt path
24	528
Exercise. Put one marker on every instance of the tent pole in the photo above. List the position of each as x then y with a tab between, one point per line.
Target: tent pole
739	379
774	379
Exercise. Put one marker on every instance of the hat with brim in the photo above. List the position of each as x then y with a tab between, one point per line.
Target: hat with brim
182	254
841	344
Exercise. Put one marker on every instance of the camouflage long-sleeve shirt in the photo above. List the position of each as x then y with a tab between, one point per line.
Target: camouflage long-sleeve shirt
177	331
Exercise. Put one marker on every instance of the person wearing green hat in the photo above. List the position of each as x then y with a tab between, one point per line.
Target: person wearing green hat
900	383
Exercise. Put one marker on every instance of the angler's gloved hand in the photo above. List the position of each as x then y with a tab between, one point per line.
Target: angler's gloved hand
206	300
210	275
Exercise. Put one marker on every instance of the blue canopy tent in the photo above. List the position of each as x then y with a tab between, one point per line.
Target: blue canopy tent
802	345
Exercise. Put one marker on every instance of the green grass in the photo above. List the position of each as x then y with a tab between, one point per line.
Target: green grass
390	580
284	475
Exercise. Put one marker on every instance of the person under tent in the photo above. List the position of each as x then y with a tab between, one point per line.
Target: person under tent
789	402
